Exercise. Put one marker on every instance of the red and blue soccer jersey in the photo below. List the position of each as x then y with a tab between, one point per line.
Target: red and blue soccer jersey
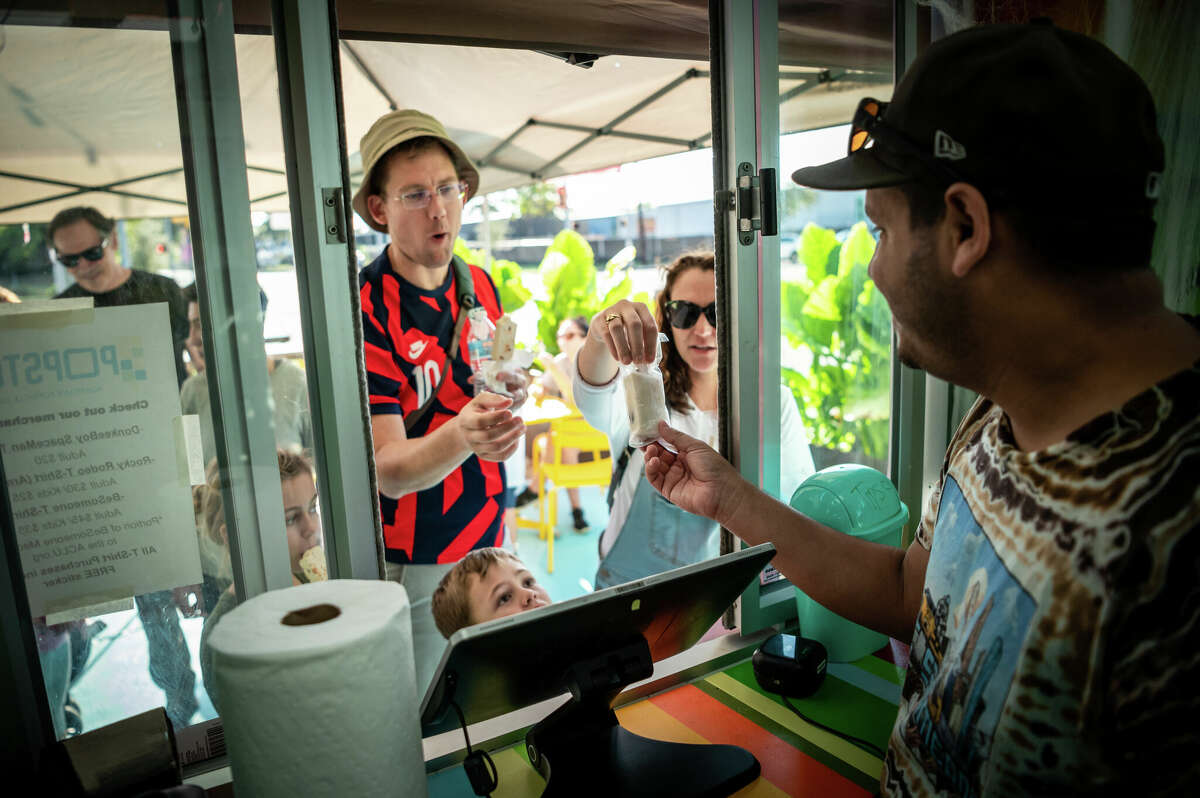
406	332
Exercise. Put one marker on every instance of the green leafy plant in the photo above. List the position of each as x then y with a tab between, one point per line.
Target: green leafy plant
571	283
506	274
839	328
573	288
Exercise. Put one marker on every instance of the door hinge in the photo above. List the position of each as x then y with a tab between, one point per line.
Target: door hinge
334	215
756	203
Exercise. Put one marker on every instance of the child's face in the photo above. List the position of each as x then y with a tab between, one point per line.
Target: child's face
506	589
300	516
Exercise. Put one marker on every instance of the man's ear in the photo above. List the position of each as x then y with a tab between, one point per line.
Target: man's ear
223	534
375	207
969	226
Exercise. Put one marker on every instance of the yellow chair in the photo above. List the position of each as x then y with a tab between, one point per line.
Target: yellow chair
541	416
552	474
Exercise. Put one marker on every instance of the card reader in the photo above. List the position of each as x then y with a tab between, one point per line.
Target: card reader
790	665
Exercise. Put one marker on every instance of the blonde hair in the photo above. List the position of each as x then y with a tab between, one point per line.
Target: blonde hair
451	602
206	499
293	464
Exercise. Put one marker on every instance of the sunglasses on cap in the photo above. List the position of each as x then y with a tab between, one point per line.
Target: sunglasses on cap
868	126
92	254
684	314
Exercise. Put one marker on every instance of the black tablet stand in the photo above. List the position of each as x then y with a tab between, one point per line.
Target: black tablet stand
581	749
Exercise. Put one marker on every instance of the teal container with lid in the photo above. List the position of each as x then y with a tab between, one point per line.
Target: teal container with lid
859	501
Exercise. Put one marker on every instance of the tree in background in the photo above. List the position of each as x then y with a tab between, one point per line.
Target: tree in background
25	264
497	222
151	243
537	200
795	200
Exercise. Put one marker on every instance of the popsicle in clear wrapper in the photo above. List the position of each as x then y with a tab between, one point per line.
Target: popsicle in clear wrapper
504	346
493	350
645	398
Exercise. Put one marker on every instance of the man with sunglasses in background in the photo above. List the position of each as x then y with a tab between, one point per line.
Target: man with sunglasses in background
439	449
85	243
1051	593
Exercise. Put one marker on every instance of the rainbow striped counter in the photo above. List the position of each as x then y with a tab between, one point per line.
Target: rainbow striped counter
728	706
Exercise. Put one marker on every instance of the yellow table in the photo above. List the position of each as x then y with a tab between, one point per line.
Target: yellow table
548	409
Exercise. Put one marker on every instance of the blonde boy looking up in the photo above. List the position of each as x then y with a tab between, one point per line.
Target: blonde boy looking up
485	584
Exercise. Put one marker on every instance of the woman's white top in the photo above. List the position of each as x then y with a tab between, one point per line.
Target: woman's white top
604	408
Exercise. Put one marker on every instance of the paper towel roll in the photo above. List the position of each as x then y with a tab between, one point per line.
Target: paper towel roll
318	693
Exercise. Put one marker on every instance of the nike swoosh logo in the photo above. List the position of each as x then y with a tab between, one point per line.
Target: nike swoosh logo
415	350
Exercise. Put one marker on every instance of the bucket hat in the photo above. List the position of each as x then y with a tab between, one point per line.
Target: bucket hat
398	127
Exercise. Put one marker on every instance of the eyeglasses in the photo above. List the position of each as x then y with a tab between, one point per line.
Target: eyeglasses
92	254
868	125
416	200
684	314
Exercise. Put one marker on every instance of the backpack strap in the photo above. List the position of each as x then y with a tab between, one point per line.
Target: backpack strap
618	473
465	286
463	282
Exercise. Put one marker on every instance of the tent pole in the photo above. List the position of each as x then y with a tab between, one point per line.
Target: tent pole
605	129
487	230
369	75
596	131
487	159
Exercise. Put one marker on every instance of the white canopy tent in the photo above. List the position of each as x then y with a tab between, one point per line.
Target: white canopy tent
110	137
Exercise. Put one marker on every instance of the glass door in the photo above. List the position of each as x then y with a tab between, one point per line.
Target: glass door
808	339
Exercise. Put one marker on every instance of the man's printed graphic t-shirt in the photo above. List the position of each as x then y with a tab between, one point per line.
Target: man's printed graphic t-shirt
1056	647
406	332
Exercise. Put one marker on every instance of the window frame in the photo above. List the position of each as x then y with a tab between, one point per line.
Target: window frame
306	49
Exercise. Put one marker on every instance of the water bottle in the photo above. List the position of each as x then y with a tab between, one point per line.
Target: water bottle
479	344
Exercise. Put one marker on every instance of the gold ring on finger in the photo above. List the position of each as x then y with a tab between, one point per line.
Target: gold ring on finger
611	316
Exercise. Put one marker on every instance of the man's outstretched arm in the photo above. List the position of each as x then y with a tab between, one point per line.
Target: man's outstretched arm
877	586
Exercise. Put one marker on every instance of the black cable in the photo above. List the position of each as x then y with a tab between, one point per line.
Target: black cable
869	747
481	770
3	22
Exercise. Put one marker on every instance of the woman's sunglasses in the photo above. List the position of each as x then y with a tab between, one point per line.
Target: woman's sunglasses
92	254
684	314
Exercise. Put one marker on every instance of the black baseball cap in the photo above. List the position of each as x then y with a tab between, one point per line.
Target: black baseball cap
1031	110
